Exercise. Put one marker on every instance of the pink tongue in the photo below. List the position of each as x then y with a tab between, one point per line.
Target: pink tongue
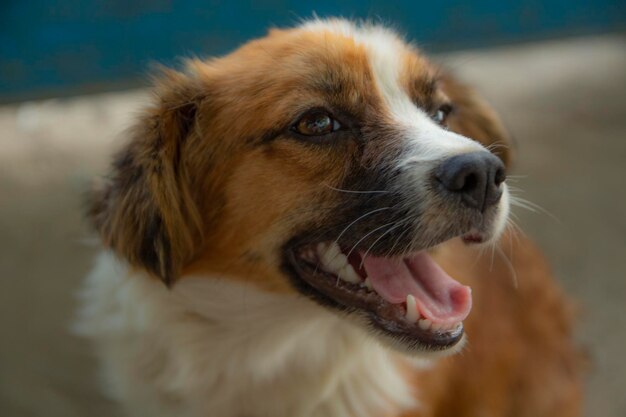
438	296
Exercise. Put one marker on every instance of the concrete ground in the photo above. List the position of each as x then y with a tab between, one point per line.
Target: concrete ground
564	101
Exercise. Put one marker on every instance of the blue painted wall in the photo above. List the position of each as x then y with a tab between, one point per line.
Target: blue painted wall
70	46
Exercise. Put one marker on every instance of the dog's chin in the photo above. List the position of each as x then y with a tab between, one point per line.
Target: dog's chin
407	301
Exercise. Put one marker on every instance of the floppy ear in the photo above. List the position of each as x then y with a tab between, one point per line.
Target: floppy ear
144	211
474	118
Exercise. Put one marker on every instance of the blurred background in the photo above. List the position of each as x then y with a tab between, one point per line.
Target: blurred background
72	79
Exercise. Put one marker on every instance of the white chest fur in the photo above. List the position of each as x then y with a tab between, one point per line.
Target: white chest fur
214	347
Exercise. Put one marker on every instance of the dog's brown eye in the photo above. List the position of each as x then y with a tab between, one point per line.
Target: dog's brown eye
317	123
441	116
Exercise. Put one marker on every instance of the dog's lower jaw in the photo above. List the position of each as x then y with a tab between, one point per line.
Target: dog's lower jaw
218	347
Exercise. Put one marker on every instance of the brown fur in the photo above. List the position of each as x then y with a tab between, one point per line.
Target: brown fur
203	188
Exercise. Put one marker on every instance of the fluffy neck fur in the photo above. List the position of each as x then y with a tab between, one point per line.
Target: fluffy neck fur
211	346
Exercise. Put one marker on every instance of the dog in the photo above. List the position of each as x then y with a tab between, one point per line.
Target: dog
281	232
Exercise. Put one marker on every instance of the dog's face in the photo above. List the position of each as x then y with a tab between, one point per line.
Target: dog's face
324	160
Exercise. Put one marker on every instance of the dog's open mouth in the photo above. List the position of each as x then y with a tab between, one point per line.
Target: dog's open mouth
411	298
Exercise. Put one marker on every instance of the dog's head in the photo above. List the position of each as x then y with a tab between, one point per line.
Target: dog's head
324	160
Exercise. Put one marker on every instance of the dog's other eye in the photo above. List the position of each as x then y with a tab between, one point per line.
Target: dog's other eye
316	123
442	113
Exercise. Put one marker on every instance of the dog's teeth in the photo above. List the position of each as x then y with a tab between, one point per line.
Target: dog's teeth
424	324
309	255
412	315
333	249
347	274
446	327
321	248
334	263
332	258
368	284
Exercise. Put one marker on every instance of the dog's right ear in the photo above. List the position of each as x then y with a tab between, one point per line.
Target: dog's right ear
144	211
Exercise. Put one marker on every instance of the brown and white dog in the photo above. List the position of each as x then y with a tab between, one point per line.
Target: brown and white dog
281	234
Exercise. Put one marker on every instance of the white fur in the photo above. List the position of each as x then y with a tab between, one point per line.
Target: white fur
503	213
214	347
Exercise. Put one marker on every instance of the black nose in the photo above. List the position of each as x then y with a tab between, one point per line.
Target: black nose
475	177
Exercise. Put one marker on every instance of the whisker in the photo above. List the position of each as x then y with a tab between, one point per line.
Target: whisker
495	146
493	249
516	189
532	207
400	236
409	243
481	252
359	218
376	241
513	225
510	266
297	213
364	237
358	191
512	235
518	201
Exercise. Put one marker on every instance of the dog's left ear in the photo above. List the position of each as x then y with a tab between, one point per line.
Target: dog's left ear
144	212
474	118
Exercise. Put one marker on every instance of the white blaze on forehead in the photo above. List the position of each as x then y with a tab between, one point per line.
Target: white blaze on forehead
425	139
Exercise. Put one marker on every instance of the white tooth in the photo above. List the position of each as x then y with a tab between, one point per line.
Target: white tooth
327	251
334	262
333	248
411	309
368	284
347	274
332	258
321	248
424	324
